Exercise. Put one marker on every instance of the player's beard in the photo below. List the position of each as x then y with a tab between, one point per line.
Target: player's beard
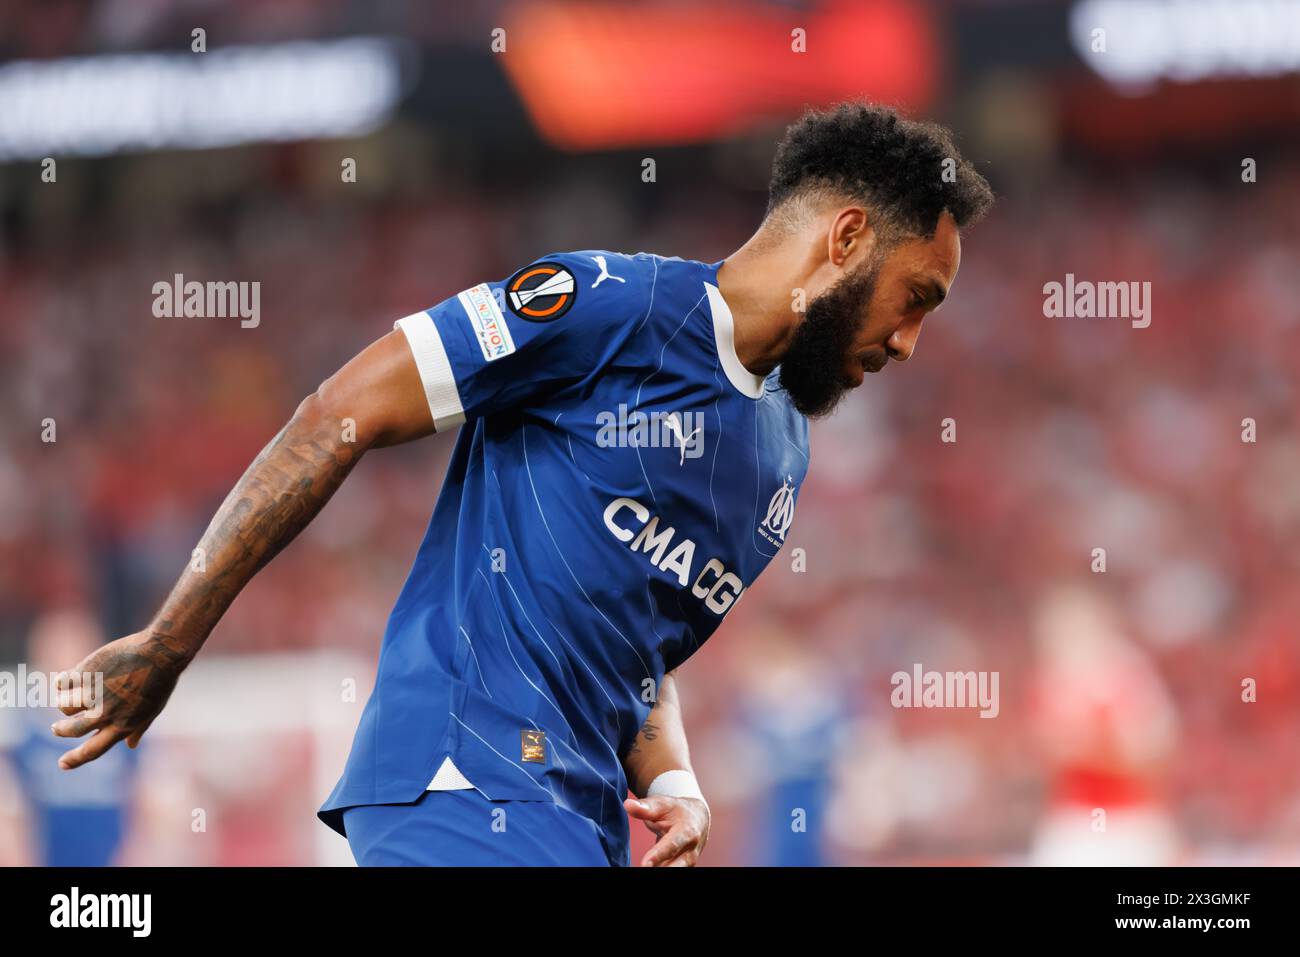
812	368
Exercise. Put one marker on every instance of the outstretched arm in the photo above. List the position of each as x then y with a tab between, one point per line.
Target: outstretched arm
375	400
660	762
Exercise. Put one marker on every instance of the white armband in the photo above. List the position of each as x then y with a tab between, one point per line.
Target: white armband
676	783
435	370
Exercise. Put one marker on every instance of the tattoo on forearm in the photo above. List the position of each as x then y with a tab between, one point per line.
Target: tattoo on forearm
649	731
280	493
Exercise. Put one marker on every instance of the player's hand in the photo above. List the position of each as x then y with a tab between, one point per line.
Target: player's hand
139	673
680	823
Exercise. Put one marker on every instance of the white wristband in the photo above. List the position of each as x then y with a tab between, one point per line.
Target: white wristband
676	783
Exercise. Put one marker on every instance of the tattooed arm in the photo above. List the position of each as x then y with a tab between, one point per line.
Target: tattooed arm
681	824
374	401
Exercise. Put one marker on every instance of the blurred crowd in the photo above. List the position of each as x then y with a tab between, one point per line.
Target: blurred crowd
1127	689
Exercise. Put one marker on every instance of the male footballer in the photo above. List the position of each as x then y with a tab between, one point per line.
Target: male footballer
634	436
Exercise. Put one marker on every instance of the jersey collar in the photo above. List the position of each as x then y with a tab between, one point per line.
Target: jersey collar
724	331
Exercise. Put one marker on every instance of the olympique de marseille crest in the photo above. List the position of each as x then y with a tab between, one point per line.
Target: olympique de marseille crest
780	513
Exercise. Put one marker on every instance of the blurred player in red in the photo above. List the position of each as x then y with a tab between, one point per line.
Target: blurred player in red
1107	727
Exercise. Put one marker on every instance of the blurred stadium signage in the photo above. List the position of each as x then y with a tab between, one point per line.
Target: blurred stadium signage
598	75
1186	40
142	101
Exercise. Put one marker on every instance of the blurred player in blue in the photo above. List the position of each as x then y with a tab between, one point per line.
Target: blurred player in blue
76	821
633	438
790	717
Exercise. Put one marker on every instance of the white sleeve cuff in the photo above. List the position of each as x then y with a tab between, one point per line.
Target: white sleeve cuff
435	370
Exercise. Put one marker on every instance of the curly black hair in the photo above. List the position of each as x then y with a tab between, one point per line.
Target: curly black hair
894	165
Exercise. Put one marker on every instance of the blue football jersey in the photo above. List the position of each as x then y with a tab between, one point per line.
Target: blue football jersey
619	481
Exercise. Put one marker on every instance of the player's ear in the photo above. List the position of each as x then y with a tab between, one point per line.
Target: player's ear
850	233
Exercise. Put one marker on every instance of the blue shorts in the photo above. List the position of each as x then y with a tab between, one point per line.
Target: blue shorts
465	829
